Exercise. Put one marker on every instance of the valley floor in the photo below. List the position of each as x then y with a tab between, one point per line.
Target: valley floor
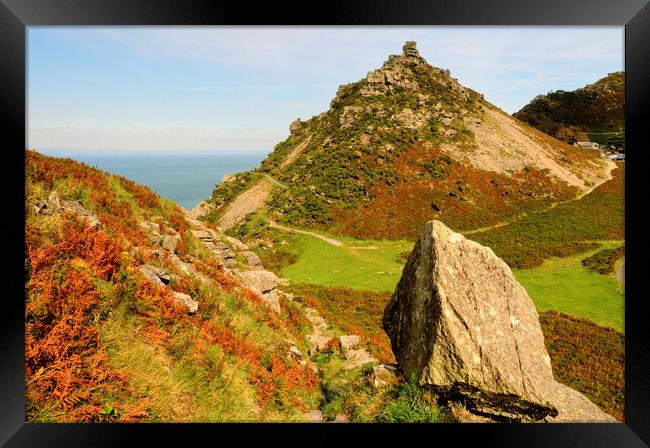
236	359
561	284
349	280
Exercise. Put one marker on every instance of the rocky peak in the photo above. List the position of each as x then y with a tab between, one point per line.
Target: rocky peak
404	71
409	49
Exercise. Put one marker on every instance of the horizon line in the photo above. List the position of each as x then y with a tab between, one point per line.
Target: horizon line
140	150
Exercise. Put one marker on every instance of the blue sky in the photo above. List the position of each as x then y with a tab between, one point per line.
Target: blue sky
238	88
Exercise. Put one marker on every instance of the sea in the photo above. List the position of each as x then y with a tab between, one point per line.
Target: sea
186	178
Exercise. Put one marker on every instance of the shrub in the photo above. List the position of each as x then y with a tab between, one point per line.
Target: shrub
564	230
603	262
66	367
588	358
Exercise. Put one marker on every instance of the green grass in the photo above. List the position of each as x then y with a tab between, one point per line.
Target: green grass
321	263
178	390
121	194
411	404
404	403
563	284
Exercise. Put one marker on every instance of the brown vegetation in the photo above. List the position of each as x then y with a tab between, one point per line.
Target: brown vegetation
588	358
461	196
87	307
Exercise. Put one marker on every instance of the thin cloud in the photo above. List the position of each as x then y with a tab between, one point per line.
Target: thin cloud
240	86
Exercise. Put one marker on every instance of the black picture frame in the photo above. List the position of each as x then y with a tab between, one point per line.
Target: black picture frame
17	15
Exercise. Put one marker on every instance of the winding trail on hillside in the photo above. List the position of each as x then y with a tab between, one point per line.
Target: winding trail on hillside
608	176
331	241
253	198
295	152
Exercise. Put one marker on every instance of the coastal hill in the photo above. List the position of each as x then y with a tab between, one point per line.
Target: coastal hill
137	312
402	146
571	116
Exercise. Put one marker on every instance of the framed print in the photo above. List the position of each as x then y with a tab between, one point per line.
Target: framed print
408	218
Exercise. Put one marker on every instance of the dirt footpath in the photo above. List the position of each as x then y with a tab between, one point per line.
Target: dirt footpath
331	241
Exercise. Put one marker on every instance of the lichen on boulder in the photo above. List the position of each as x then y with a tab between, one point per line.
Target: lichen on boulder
462	324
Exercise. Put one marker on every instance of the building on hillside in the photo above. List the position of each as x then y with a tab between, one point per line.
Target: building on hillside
592	145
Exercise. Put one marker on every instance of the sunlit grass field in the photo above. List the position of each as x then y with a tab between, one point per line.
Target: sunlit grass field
358	264
561	284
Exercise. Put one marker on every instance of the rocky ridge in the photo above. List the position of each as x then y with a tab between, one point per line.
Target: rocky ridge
53	205
252	274
409	130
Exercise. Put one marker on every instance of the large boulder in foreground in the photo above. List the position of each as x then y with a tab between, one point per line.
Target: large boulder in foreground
465	327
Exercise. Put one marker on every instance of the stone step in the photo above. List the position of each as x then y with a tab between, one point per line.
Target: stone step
202	234
319	342
357	358
349	342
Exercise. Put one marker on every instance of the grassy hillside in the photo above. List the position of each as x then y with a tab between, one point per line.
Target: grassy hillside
103	344
350	284
570	116
405	145
567	229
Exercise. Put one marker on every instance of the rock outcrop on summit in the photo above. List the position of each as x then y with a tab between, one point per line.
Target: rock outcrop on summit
462	324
